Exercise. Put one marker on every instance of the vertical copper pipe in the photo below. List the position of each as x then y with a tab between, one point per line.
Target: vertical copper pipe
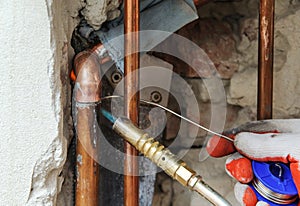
87	93
87	187
265	59
131	98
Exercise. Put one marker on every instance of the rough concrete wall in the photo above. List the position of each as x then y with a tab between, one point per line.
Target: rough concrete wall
34	113
230	38
243	85
241	61
96	12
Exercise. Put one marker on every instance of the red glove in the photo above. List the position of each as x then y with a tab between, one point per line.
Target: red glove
267	140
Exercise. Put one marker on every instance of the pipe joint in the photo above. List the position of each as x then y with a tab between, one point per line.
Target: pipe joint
87	92
88	81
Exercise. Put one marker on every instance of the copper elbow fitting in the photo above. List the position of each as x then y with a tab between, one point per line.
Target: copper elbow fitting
88	80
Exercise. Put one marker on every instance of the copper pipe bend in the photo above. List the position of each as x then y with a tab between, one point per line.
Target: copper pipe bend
87	70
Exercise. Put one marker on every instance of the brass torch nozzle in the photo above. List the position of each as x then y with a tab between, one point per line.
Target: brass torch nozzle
164	158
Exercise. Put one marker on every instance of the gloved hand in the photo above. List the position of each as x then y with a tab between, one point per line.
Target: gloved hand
267	140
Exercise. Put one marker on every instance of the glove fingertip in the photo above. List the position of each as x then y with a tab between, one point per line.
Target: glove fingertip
240	168
219	147
245	195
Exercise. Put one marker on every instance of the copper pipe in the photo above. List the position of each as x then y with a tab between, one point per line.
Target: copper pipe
201	2
87	93
265	59
131	98
87	187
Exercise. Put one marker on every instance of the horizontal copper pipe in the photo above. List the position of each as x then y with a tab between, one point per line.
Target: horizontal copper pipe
265	59
131	98
201	2
87	93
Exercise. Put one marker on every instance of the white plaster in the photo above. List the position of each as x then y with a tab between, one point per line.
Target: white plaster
33	143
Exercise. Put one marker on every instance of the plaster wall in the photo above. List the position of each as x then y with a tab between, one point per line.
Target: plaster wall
34	99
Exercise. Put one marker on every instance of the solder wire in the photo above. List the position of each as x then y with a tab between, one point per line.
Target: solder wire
271	195
174	113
